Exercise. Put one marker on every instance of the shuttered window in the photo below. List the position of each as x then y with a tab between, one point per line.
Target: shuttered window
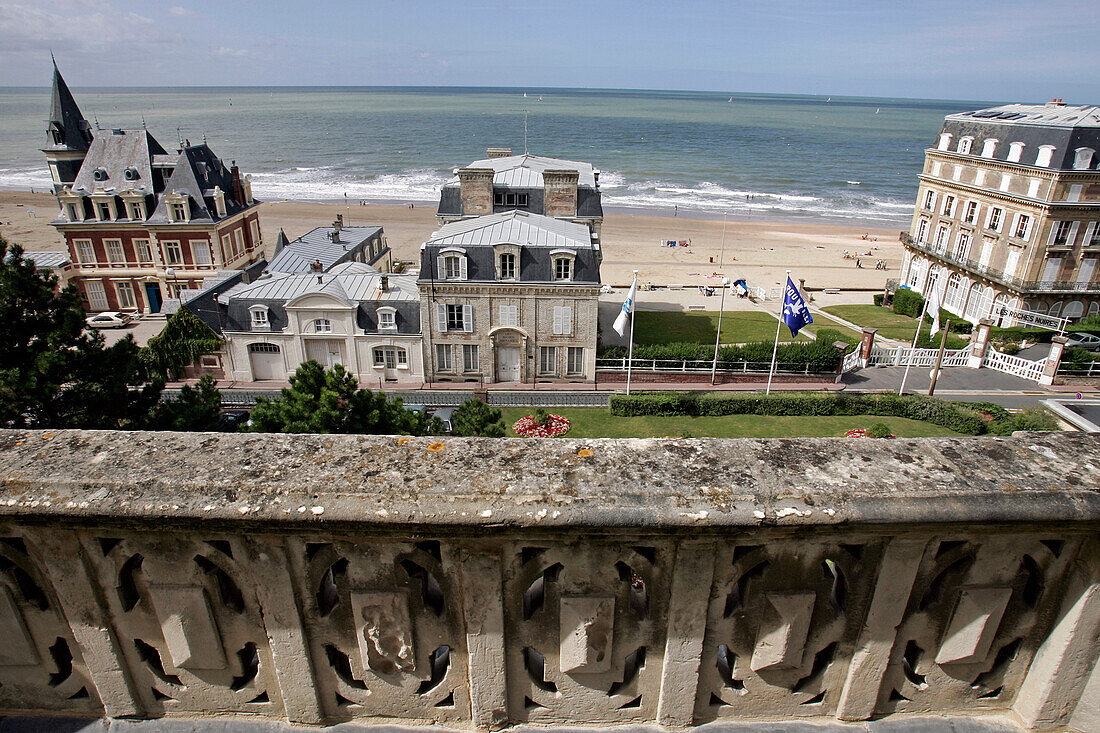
563	320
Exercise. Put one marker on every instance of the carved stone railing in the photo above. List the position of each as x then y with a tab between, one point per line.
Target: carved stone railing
484	583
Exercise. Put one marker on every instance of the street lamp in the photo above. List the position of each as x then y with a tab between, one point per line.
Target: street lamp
170	274
718	338
722	255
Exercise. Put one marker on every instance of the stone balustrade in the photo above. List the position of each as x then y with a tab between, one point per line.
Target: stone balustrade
479	583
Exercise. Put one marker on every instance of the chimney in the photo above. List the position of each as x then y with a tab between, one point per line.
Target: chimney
238	189
476	190
498	153
385	283
339	223
320	281
560	192
334	235
316	266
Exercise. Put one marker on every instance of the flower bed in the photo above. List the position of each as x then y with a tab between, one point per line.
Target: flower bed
554	426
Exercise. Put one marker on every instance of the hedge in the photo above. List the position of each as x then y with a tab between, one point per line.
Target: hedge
908	303
820	355
963	418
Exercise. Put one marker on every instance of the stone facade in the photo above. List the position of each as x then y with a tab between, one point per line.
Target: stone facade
1006	213
483	583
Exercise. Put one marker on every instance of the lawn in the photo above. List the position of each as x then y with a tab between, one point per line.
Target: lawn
889	324
594	422
701	327
822	321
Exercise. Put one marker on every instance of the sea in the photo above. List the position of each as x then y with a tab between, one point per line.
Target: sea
745	156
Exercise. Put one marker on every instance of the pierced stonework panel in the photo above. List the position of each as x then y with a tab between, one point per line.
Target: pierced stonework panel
188	623
39	660
588	623
977	612
779	623
384	624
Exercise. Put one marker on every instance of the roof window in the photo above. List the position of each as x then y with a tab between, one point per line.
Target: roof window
100	174
132	174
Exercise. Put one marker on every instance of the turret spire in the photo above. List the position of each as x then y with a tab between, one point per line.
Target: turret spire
68	130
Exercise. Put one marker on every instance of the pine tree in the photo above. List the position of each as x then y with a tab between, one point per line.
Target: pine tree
54	373
474	418
196	408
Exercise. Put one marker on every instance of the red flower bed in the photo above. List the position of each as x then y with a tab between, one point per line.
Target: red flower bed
555	425
856	433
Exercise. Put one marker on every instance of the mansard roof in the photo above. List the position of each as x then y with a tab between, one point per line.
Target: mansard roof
114	152
1066	128
513	227
297	256
197	172
66	118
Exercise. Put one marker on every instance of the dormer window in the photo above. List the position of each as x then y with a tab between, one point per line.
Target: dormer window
945	141
103	210
179	212
246	184
510	200
131	174
1043	158
179	209
1082	158
1015	152
964	145
219	201
387	319
452	264
99	174
136	210
561	261
71	213
989	147
507	269
321	325
260	320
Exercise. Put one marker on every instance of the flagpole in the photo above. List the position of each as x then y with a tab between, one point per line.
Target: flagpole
939	358
718	338
775	346
630	343
909	361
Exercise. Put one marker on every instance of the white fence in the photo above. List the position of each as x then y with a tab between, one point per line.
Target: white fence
1015	365
851	362
903	356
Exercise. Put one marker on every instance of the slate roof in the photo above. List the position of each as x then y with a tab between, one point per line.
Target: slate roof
297	256
66	118
1065	127
513	227
196	174
114	152
535	234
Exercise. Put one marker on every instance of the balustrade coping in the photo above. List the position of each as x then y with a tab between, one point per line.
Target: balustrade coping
390	483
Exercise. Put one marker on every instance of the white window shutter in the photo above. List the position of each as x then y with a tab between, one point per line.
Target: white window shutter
467	319
558	320
440	268
567	320
462	268
441	316
513	315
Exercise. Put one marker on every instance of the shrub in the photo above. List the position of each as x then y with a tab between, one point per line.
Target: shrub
908	303
1035	420
879	298
820	355
960	417
476	419
879	430
1009	347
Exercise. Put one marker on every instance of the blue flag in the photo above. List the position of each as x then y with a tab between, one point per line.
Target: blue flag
795	313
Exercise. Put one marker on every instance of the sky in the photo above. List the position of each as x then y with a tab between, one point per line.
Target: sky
1008	50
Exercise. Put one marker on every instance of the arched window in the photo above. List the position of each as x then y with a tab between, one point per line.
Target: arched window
952	293
1015	151
965	143
452	264
989	147
1054	309
973	303
945	141
1043	157
1082	158
1095	307
263	348
1073	309
321	325
999	302
259	315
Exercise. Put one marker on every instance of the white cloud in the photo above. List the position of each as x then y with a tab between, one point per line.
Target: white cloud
179	12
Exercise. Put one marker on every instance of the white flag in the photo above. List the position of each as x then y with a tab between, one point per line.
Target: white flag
934	309
628	308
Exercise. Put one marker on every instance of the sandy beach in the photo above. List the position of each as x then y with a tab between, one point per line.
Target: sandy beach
758	251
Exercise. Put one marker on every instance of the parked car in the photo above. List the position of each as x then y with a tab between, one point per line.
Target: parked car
229	421
110	319
1084	341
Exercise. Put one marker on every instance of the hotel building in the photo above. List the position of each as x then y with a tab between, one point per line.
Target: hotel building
143	224
1008	213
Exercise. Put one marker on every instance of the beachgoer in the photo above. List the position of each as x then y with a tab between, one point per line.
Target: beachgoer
859	264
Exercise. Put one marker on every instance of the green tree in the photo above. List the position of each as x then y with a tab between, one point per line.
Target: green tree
184	339
474	418
196	408
54	373
320	401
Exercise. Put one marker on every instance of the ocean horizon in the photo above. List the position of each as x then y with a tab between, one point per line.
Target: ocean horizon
769	156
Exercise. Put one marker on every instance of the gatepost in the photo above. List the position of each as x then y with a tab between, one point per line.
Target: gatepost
865	345
979	344
1050	368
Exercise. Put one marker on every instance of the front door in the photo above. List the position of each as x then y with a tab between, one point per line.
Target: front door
326	352
507	363
152	293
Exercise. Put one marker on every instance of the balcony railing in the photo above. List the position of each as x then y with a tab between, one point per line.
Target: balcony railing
1017	284
483	583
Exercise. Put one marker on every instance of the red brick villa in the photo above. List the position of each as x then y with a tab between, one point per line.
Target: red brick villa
141	223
